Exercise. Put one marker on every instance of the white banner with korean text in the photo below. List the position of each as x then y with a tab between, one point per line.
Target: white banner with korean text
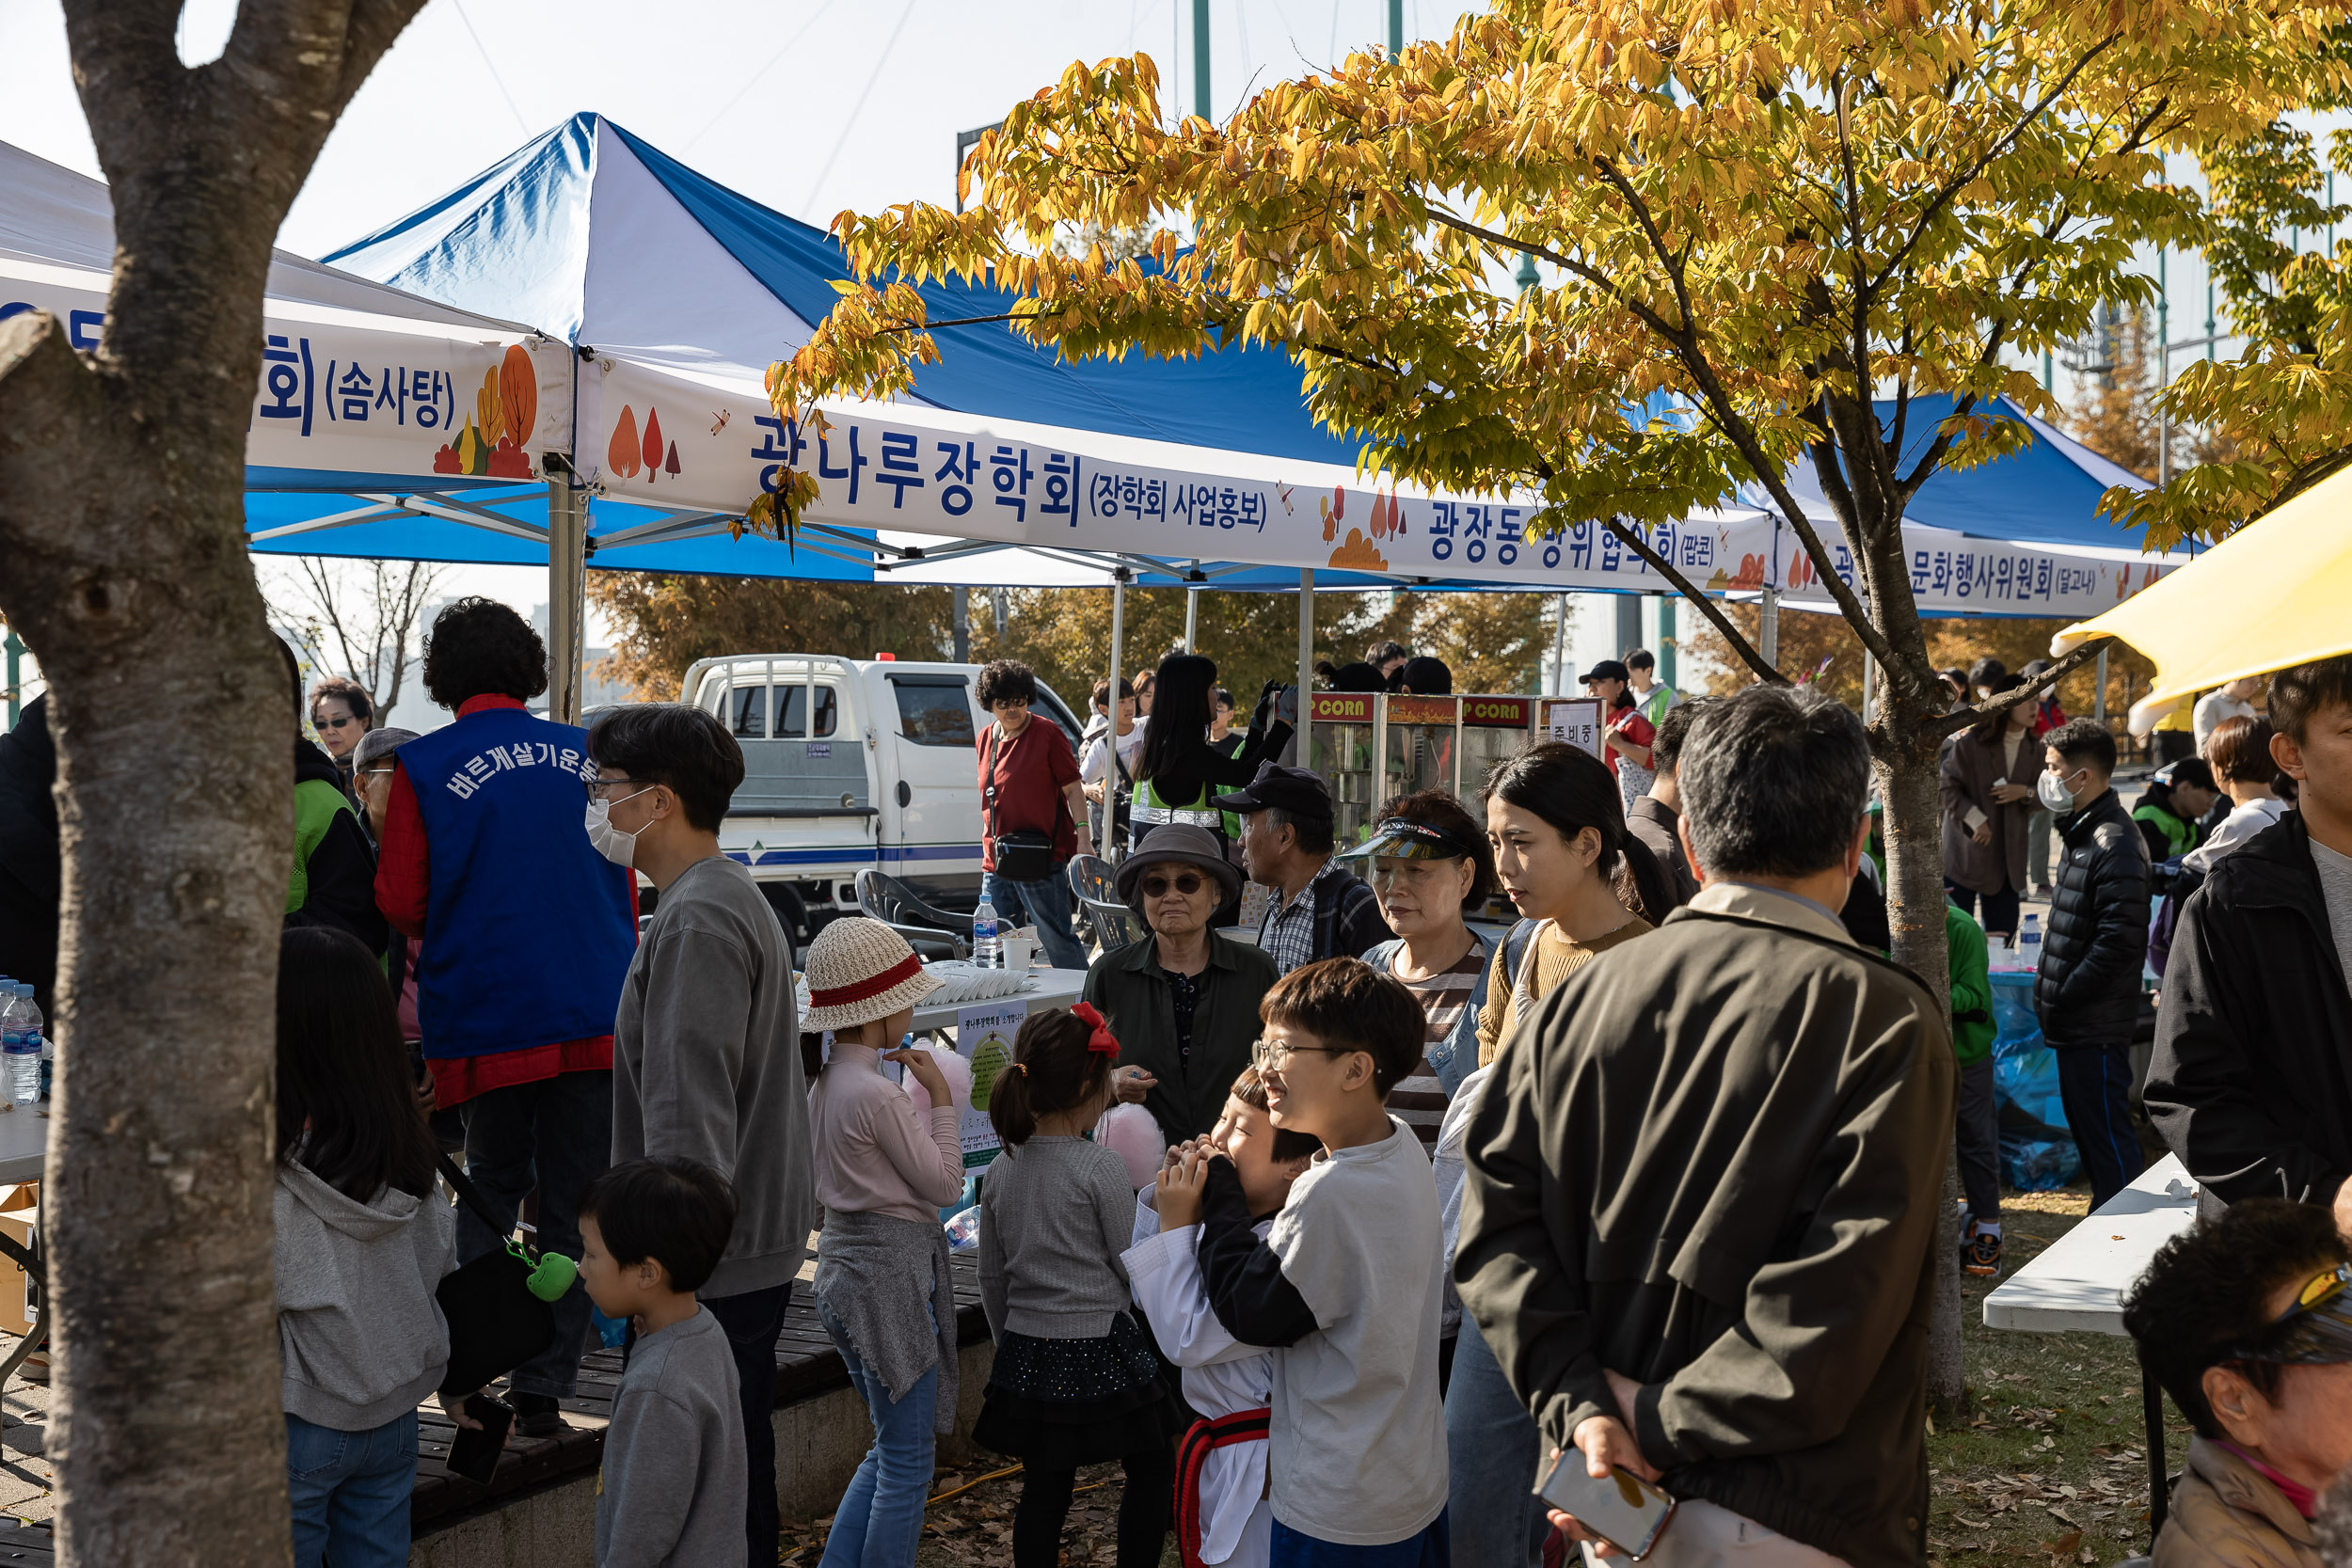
355	394
691	441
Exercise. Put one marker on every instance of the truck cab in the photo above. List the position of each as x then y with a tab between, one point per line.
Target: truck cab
852	764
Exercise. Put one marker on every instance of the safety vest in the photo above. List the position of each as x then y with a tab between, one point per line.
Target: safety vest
2180	834
1151	812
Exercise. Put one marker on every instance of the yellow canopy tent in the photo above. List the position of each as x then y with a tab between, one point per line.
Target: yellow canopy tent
2275	593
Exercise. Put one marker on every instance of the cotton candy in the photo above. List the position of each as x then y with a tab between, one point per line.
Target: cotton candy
1133	1133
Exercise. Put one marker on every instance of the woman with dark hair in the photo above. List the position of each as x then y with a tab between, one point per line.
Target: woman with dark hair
361	1242
2169	808
1583	885
1581	882
1180	769
2238	752
1985	784
500	860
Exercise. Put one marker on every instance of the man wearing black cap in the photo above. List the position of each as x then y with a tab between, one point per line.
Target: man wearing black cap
1319	911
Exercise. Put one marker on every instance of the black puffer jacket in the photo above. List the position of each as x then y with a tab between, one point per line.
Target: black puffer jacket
2088	988
2252	1081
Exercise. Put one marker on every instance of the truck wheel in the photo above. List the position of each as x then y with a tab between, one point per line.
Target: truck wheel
791	913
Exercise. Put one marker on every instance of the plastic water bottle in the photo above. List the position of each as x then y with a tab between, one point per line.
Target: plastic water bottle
986	952
20	1042
2029	945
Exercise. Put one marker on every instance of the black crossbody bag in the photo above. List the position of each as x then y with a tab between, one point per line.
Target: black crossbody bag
1024	855
500	1306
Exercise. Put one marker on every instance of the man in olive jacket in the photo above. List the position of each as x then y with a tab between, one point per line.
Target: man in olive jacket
1700	1209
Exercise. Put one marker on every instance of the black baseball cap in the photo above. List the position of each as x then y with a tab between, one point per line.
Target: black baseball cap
1607	670
1296	791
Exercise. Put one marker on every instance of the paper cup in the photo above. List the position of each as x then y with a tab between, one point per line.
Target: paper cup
1018	952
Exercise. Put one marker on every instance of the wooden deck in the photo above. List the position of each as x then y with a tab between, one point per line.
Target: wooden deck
807	1365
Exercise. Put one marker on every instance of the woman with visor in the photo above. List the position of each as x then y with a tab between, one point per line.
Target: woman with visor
1430	867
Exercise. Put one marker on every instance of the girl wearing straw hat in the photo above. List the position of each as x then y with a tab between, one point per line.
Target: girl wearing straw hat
883	1171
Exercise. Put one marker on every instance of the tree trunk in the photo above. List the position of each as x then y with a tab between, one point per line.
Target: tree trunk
122	561
1914	833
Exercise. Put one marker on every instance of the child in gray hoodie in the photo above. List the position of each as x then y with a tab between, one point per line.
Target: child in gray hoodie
362	1238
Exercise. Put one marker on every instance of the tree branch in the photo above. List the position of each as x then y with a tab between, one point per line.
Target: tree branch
1708	608
1961	182
2075	659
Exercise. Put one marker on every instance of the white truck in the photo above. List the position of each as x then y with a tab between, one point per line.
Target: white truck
850	764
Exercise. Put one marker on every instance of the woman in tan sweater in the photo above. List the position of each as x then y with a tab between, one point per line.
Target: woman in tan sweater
1561	848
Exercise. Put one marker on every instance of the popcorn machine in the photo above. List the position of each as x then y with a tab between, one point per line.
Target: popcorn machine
1373	747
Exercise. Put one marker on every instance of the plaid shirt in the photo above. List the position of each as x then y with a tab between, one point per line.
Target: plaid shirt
1334	915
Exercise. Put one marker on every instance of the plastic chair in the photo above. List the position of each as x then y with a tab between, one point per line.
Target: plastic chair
932	932
1115	923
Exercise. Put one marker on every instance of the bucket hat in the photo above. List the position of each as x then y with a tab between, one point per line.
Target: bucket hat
1182	843
860	970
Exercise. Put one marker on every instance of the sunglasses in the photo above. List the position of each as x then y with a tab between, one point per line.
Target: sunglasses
334	724
1186	882
2316	1331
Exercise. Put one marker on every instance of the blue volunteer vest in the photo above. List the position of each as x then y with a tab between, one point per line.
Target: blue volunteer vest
527	931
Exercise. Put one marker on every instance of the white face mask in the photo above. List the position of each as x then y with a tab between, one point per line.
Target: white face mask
612	843
2052	791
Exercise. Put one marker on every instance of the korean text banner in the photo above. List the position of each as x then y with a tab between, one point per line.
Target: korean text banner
686	441
351	394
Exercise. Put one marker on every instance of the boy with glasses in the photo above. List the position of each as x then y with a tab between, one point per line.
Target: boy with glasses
1344	1286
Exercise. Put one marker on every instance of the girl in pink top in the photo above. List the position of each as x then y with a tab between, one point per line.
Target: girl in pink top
883	1171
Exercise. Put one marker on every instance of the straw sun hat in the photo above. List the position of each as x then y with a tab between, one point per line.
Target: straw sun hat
860	970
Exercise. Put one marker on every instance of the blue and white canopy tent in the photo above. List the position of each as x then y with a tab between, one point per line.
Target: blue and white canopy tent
640	303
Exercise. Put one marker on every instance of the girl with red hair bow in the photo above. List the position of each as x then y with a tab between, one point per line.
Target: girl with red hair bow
1076	1380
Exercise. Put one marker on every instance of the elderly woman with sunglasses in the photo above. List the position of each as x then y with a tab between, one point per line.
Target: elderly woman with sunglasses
2246	1322
1183	1001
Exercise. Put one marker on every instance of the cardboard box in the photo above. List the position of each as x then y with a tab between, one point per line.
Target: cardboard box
20	1220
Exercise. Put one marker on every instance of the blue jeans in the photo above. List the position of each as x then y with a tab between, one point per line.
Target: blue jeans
1290	1549
555	1134
2094	1082
879	1521
1492	1447
1046	905
350	1492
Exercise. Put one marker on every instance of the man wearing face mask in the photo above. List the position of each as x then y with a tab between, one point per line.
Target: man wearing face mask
706	1057
524	932
2087	987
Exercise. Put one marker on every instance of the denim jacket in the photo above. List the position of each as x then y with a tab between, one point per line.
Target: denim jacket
1454	1057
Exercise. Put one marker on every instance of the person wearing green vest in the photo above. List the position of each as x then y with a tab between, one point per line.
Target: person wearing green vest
332	881
2170	809
1179	770
1976	1122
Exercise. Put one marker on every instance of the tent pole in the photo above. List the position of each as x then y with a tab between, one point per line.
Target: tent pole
1192	615
1304	740
962	597
567	584
2100	702
1768	640
1866	689
1560	649
1110	846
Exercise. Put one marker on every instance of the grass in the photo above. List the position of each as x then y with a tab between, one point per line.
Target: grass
2053	1463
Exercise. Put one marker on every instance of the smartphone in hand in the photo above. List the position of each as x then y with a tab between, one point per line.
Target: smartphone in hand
474	1454
1621	1507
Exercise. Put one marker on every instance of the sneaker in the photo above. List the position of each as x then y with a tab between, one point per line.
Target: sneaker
537	1415
1980	1254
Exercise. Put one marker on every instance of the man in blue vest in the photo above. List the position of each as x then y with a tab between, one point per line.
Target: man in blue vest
526	933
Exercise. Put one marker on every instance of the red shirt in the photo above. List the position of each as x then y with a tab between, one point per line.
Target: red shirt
1630	726
1033	771
403	888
